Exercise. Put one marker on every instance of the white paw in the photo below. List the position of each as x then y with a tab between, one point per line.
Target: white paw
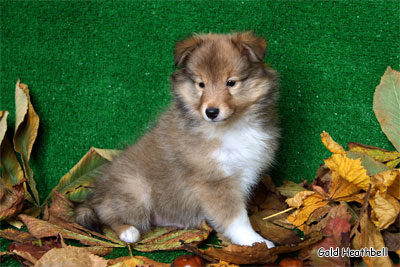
251	239
130	235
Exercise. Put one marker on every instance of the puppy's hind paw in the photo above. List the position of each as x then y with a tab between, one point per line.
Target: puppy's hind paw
130	235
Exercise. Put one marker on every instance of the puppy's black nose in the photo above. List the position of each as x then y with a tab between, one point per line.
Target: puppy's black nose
212	113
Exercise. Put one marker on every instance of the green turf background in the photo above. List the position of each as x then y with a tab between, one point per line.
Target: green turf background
99	71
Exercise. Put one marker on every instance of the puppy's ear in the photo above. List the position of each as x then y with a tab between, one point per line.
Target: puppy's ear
250	45
185	47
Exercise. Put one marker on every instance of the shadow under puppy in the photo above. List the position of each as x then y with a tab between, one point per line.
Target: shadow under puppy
206	152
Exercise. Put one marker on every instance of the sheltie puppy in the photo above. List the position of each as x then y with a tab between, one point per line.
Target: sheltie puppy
207	151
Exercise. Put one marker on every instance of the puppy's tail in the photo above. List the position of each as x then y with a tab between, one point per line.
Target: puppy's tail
87	217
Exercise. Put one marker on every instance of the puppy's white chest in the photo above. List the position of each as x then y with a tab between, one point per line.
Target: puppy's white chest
244	152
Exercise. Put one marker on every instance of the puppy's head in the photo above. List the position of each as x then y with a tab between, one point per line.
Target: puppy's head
220	75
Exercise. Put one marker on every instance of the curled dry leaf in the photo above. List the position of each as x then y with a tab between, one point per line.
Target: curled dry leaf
70	256
371	165
168	238
275	233
26	128
331	145
370	237
387	105
258	253
11	172
385	210
12	202
35	249
376	153
39	229
19	236
349	169
77	182
299	198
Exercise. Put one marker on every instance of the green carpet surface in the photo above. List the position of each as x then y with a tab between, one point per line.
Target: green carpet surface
99	72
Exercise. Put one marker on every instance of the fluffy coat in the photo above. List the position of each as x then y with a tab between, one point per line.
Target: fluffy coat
194	165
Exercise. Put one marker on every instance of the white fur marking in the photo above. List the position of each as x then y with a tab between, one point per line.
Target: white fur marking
240	232
243	151
130	235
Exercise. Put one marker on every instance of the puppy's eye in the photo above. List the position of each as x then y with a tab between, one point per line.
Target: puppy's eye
230	83
202	85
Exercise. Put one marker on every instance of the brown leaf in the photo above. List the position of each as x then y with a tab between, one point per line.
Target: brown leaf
280	220
323	178
392	241
39	229
25	257
99	251
11	172
277	234
370	237
61	207
26	128
35	249
12	202
258	253
339	211
70	256
15	235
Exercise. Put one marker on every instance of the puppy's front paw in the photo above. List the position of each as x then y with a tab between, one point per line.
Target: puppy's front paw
130	235
250	239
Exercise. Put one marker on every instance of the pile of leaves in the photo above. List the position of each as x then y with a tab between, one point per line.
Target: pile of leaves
352	203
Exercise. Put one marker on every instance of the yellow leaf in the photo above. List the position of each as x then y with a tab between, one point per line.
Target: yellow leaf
393	164
341	187
387	181
377	153
310	204
349	169
331	145
385	210
298	199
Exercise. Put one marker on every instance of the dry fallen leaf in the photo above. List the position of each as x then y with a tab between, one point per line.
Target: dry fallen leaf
26	128
168	238
349	169
331	145
77	182
12	202
11	172
15	235
370	237
39	229
277	234
258	253
377	153
70	256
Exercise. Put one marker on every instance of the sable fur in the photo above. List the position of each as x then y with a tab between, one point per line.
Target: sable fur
180	172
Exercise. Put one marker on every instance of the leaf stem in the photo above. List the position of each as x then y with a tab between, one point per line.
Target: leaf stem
278	213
